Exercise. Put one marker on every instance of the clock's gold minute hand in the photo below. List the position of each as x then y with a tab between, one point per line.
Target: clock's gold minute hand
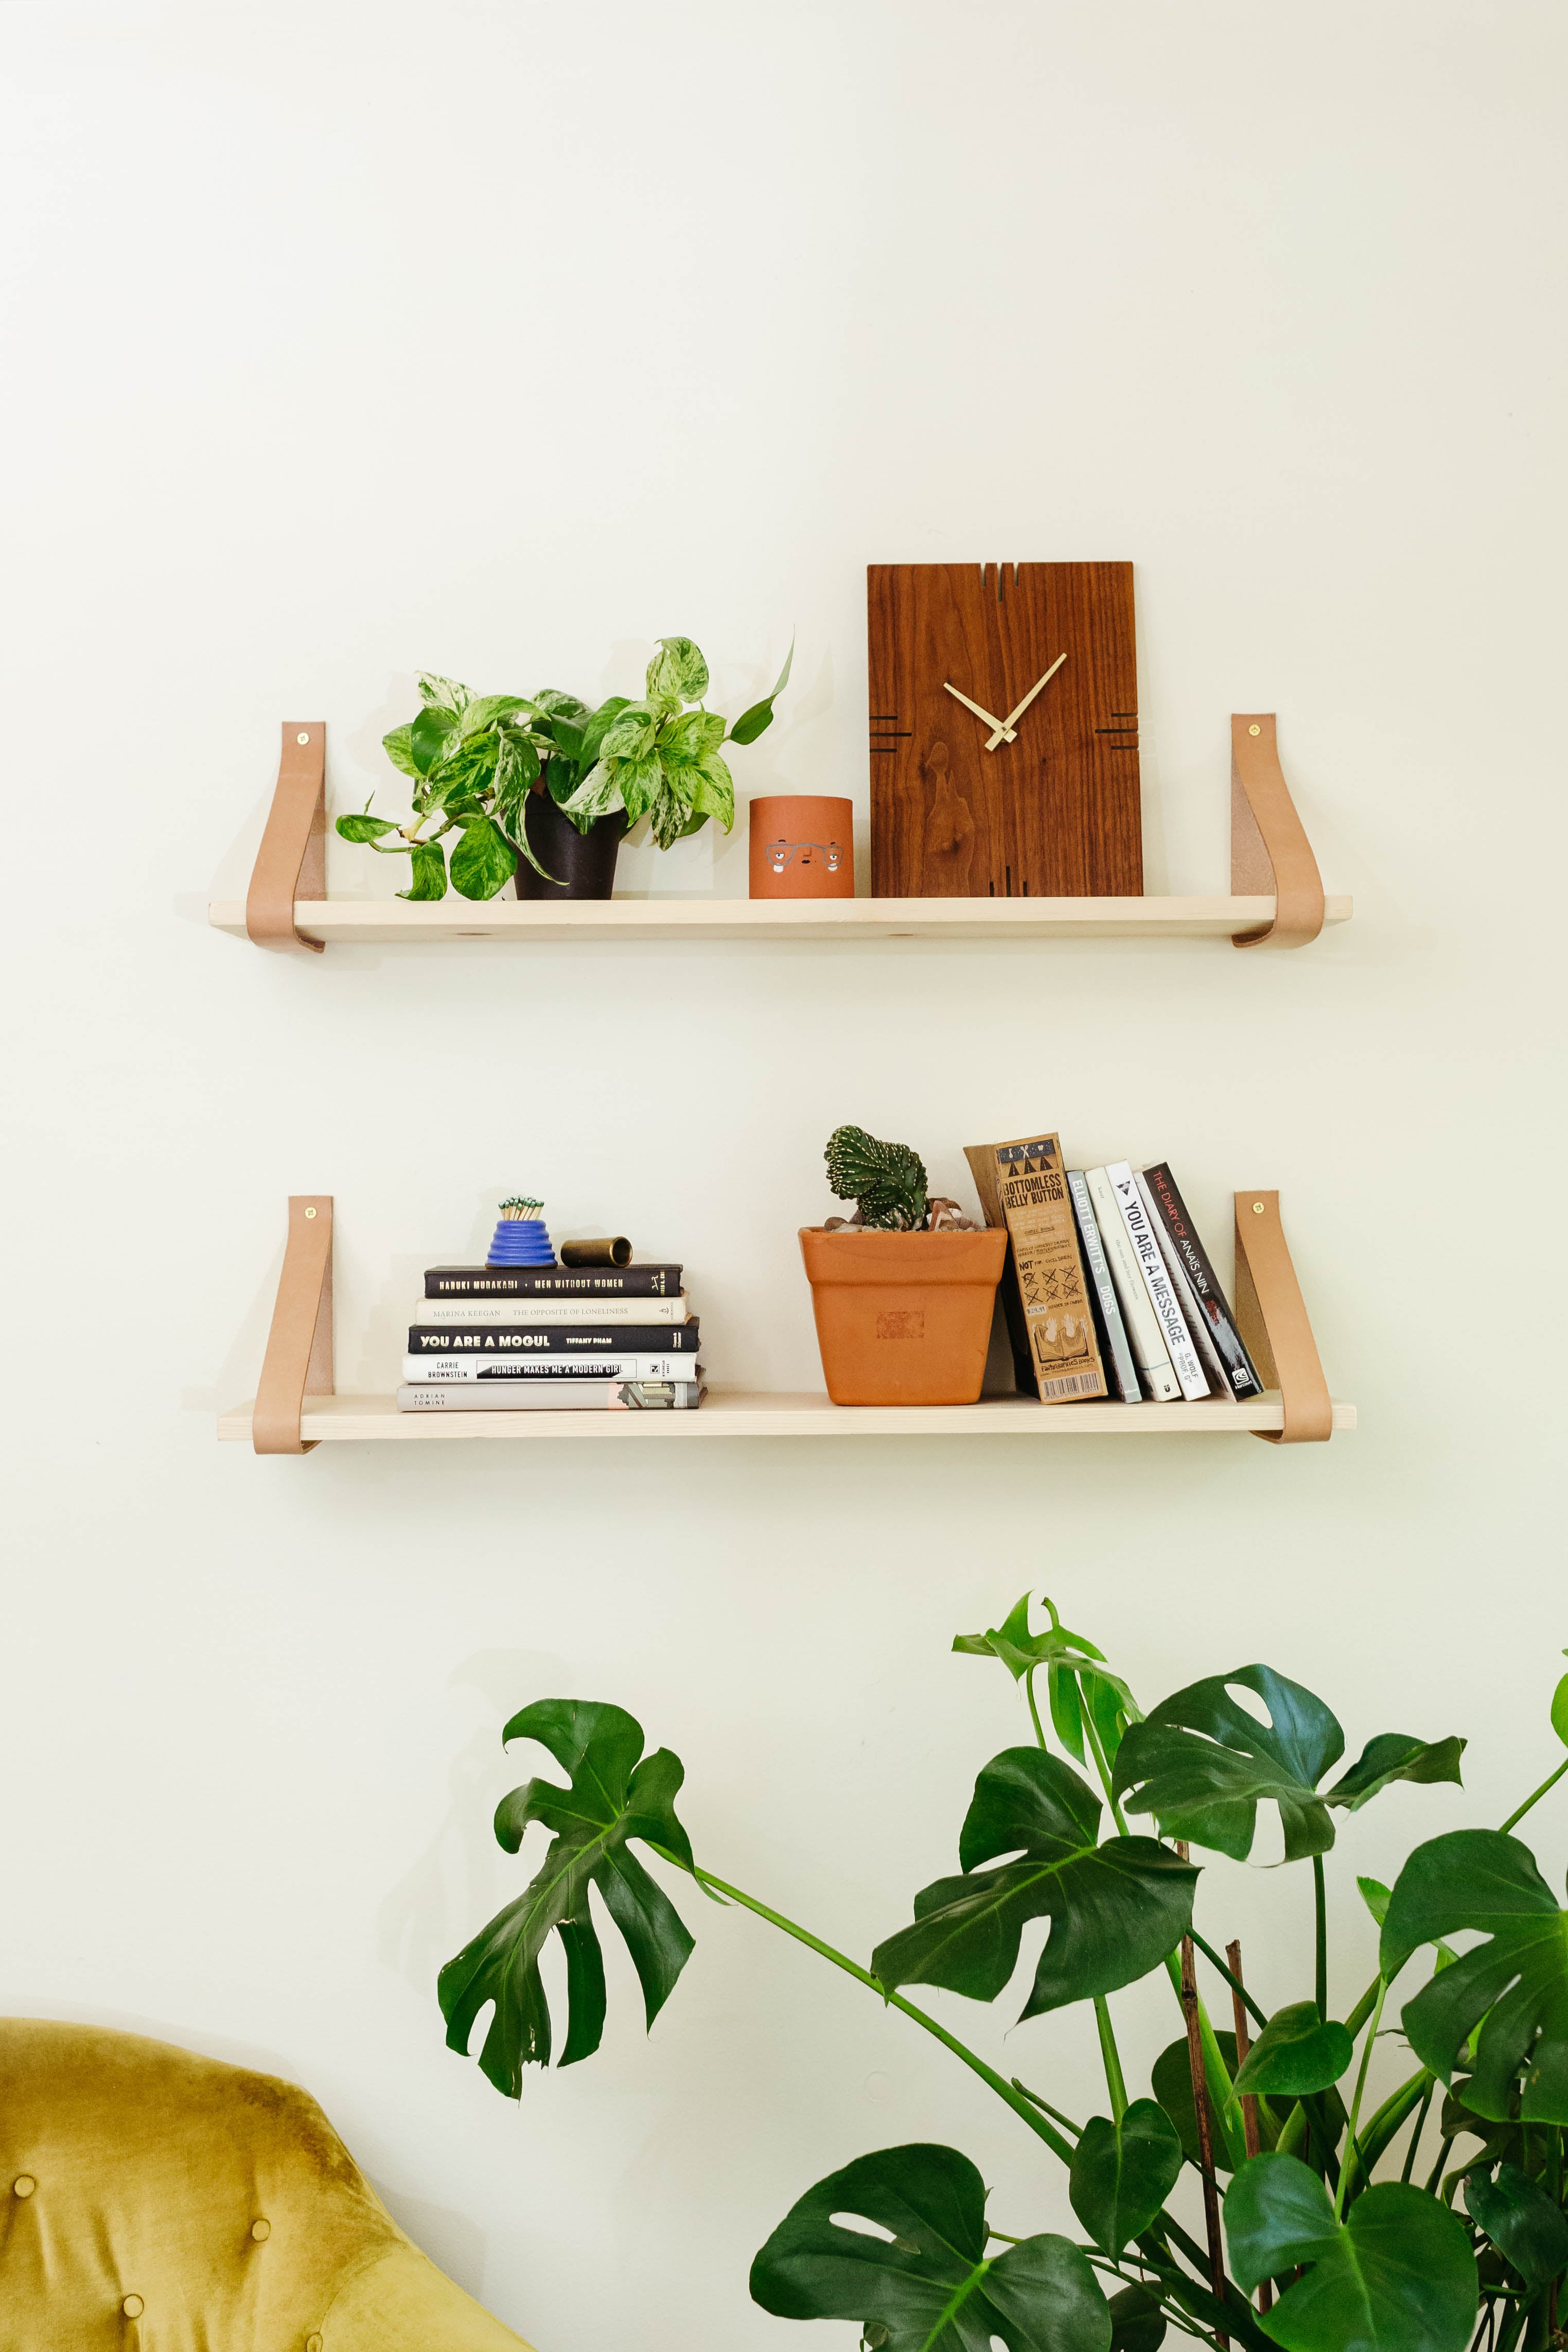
1004	727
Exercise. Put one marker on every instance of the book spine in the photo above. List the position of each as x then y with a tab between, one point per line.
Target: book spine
549	1314
1239	1374
1185	1360
578	1396
1218	1381
1031	1190
983	1169
600	1368
1118	1347
551	1282
1143	1324
457	1339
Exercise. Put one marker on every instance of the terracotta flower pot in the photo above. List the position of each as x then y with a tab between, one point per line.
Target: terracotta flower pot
802	846
903	1319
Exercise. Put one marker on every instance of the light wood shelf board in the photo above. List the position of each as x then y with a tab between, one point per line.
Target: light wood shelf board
380	922
751	1412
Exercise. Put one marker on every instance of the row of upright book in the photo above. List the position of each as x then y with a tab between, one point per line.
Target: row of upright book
1108	1291
525	1333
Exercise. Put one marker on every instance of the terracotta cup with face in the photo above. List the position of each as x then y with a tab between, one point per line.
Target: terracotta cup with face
802	846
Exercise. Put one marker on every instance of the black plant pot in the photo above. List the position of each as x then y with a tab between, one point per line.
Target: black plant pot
583	864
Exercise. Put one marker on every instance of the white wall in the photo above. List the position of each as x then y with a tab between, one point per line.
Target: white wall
501	339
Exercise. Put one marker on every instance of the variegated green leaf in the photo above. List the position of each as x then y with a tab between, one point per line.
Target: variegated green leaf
691	736
396	747
751	723
711	789
599	793
443	694
678	670
483	860
640	781
429	872
486	708
629	734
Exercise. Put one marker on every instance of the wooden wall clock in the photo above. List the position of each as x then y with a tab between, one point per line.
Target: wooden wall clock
1004	731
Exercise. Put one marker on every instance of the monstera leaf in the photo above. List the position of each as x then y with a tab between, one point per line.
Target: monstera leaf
928	2287
1528	2228
1202	1762
616	1795
1077	1680
1116	1909
1397	2276
1514	1987
1123	2173
1297	2052
1137	2323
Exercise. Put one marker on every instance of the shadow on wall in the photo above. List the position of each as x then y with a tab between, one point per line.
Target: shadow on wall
450	1890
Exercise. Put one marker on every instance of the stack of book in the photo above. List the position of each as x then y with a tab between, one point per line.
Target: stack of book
1109	1289
524	1334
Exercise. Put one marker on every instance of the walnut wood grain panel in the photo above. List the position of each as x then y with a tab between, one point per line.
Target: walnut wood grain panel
1054	814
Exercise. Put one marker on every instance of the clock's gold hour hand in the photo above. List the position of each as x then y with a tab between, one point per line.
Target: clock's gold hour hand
1004	726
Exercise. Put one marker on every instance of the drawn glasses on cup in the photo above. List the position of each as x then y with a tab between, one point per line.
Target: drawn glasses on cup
780	853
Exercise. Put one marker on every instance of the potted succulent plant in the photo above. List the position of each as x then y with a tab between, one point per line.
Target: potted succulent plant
903	1291
544	787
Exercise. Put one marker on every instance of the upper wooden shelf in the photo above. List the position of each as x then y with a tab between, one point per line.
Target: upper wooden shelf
747	1412
389	921
1276	896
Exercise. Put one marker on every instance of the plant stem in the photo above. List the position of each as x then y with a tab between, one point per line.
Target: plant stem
1237	1987
1112	2058
1028	1694
1065	2121
1102	1768
1249	2104
1195	2053
1425	2110
1320	1906
1436	2175
1550	1782
1004	2090
1353	2146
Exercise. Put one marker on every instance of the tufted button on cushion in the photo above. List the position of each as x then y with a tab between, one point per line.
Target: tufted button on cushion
133	2307
261	2231
24	2185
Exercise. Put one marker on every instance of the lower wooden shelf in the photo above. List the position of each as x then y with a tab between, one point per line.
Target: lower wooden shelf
761	1412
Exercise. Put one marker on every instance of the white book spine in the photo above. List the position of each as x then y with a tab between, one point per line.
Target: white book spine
1185	1359
1142	1324
552	1396
1193	1314
547	1314
495	1370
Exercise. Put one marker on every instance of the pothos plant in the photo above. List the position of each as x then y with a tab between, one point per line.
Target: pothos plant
1309	2247
474	759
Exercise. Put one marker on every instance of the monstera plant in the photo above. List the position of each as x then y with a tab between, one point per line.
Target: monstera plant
473	759
1321	2232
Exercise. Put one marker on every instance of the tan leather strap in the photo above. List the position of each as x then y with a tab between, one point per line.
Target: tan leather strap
1272	1316
292	860
298	1361
1270	853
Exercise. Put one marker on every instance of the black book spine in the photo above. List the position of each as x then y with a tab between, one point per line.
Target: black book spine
552	1282
574	1343
1241	1372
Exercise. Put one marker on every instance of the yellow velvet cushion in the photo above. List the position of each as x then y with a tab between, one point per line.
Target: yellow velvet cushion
154	2201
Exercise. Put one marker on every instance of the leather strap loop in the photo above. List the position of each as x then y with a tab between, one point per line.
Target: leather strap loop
292	860
299	1361
1274	1320
1269	852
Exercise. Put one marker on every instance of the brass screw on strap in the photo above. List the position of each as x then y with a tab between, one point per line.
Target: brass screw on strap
1253	730
1257	1210
305	738
310	1212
